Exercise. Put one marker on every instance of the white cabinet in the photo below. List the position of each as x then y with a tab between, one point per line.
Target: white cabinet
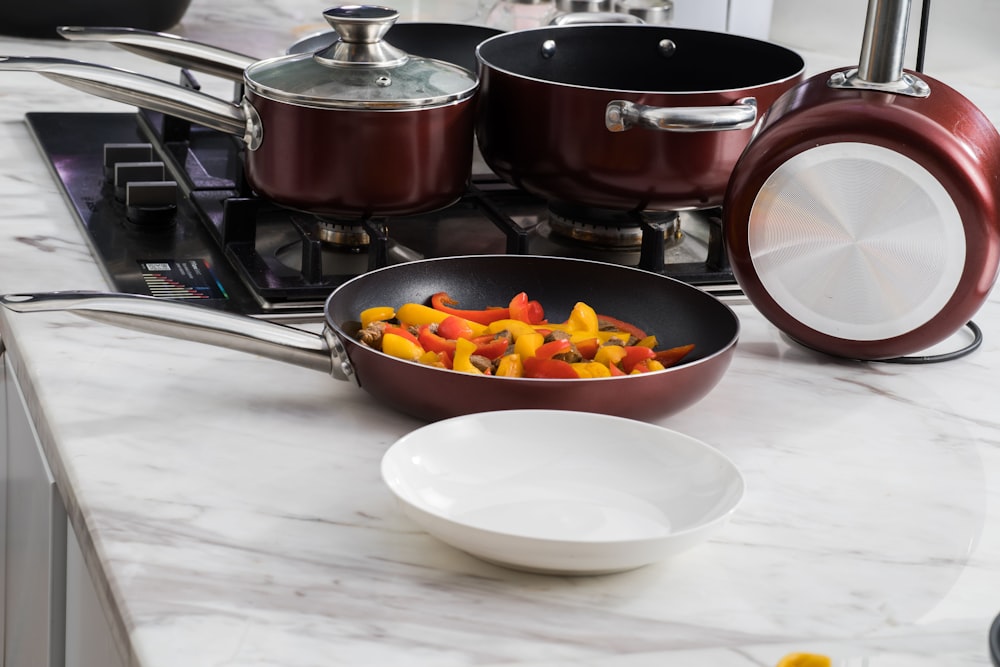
3	496
35	544
89	642
51	615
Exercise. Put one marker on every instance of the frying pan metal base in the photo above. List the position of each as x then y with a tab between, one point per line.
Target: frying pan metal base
857	241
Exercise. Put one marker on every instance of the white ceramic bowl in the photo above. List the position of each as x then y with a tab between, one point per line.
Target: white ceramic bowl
562	492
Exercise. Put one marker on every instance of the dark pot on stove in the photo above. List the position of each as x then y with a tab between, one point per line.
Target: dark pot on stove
624	116
41	17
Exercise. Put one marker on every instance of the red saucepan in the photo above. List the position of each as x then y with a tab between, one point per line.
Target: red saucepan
360	128
862	220
565	112
676	313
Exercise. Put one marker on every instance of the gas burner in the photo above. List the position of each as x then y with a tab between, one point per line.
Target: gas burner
214	240
348	234
606	228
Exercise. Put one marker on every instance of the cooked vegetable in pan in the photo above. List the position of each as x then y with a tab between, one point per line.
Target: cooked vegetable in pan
515	341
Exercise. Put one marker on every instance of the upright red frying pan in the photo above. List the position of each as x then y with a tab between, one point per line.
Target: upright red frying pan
862	218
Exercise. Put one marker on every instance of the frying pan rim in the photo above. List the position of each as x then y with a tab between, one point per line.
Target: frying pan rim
483	63
726	348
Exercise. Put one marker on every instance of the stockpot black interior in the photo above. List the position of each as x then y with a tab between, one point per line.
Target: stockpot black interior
631	57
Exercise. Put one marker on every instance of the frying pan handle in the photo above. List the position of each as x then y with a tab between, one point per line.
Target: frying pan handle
622	115
170	49
146	92
190	322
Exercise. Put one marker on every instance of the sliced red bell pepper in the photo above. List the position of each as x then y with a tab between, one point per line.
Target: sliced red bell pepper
548	368
520	308
673	355
432	342
454	327
621	325
635	354
441	301
486	346
588	348
490	347
552	348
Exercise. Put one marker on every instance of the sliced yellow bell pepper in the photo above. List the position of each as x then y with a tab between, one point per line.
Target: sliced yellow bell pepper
377	314
432	359
417	314
526	344
464	349
510	366
515	327
648	341
609	354
591	369
397	346
582	318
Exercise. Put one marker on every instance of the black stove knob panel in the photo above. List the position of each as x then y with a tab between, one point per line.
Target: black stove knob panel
115	153
151	204
127	172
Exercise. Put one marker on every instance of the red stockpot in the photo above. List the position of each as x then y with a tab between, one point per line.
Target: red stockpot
358	128
863	220
555	104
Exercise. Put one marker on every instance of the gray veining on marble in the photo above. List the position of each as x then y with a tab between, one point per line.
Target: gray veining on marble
233	513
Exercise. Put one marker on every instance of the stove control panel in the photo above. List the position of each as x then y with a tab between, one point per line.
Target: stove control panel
140	183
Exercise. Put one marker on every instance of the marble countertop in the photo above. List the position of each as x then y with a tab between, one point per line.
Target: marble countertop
231	512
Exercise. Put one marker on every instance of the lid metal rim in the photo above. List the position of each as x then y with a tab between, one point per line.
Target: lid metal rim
277	95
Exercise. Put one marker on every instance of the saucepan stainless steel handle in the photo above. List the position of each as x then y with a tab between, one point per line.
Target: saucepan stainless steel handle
183	321
146	92
622	115
167	48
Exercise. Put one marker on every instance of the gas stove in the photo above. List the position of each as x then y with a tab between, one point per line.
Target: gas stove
167	212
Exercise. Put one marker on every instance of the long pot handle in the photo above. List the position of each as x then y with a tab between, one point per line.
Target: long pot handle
184	321
622	115
145	92
167	48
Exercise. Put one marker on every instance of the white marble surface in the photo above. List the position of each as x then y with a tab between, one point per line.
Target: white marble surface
231	510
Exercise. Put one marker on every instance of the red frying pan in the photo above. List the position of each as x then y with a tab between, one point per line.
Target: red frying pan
675	312
862	219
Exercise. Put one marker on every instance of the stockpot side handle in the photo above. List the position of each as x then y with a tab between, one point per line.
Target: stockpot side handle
185	321
622	115
166	48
